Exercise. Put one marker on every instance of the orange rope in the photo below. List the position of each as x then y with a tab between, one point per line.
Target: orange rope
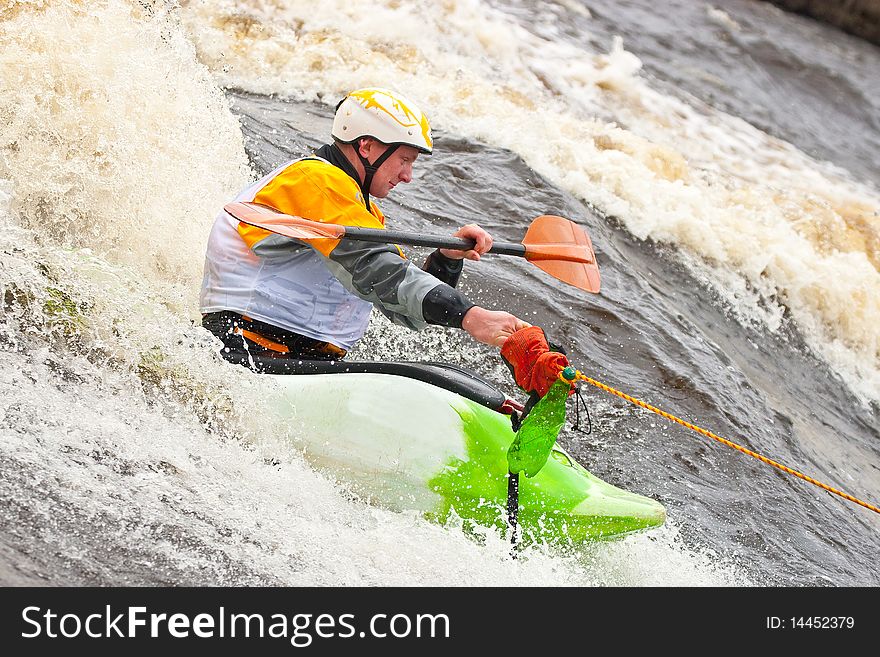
709	434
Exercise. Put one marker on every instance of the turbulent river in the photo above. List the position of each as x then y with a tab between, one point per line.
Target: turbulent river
723	158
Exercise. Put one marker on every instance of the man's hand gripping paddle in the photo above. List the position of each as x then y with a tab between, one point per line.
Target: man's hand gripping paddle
558	246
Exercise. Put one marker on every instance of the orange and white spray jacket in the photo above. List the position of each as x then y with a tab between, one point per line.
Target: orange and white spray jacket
322	289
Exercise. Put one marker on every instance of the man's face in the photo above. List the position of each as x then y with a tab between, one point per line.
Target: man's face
396	169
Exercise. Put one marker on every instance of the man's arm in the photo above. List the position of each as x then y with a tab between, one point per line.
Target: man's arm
443	268
446	264
378	273
404	293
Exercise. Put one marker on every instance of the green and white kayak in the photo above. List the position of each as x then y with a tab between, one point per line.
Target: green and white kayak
405	444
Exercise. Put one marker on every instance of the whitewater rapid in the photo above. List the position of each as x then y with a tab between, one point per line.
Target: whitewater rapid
132	455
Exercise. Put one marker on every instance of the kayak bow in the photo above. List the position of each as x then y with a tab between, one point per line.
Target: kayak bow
406	445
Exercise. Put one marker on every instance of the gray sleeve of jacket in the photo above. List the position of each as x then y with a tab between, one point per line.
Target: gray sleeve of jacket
377	273
404	293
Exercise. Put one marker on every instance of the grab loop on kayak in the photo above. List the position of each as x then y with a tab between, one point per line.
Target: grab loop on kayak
580	401
581	377
570	375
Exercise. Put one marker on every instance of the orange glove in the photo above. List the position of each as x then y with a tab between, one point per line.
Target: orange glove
534	367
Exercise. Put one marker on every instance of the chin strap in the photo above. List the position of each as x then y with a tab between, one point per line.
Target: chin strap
370	169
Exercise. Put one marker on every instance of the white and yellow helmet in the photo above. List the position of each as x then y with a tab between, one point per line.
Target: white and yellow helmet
383	115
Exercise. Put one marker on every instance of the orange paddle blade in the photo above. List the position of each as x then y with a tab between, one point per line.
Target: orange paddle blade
283	224
562	249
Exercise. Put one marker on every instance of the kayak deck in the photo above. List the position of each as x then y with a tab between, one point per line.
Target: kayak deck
404	444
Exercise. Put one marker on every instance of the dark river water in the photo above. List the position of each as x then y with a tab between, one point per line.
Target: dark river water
131	455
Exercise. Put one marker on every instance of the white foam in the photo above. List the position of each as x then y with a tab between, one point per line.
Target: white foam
115	138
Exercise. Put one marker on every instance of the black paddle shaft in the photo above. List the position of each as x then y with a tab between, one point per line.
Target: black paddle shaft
393	236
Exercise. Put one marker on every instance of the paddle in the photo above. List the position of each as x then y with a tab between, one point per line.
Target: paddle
556	245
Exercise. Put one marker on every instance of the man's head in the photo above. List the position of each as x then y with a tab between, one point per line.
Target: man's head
386	133
394	169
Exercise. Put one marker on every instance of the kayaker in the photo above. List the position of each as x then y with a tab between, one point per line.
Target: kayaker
271	296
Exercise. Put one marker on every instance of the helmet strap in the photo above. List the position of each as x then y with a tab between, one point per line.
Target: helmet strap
370	169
